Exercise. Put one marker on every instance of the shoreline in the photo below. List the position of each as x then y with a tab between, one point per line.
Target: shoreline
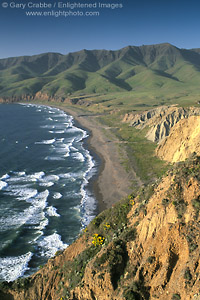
112	182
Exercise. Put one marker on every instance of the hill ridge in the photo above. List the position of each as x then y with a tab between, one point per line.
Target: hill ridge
160	66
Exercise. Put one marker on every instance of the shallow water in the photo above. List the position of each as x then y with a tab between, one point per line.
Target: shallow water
44	195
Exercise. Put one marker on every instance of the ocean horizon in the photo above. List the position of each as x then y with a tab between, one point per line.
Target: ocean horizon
45	199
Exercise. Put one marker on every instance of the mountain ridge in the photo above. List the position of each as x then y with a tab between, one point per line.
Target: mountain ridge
100	71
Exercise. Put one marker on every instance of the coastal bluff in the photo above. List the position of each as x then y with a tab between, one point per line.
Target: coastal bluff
159	121
183	140
144	247
176	130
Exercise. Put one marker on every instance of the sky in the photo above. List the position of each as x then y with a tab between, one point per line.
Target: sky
128	22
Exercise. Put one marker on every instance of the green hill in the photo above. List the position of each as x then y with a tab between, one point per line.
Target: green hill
163	67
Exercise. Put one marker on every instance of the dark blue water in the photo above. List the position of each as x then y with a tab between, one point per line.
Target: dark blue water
44	173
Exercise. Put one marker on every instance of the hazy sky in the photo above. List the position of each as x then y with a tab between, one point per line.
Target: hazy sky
136	23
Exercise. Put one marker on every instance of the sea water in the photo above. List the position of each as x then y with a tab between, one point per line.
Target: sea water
44	197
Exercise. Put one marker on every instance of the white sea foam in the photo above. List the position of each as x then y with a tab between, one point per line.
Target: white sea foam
20	173
73	149
60	140
3	184
16	179
63	149
48	126
42	224
21	192
10	222
40	200
73	129
52	211
22	177
57	195
38	175
67	175
51	177
46	142
5	176
88	202
38	234
70	176
33	215
58	131
79	156
54	158
83	135
13	267
35	176
47	184
51	244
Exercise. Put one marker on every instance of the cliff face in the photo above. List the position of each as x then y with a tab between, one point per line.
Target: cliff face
160	120
183	140
145	247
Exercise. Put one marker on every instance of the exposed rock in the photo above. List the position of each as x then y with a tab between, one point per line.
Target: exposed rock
40	96
183	140
151	249
160	120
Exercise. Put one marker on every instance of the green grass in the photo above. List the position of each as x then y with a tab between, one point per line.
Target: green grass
140	152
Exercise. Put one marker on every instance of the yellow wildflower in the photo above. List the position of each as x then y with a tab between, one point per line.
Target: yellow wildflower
106	226
98	240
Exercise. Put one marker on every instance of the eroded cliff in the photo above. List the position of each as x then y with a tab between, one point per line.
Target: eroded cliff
183	140
160	120
144	247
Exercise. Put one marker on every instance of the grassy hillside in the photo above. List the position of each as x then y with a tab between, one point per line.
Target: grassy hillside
136	72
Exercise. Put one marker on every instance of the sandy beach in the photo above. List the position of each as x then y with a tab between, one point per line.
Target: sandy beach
113	182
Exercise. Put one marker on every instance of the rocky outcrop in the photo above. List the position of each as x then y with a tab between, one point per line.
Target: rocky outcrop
160	120
44	97
16	98
145	247
183	140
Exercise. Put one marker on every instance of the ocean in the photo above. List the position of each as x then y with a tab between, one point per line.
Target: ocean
45	200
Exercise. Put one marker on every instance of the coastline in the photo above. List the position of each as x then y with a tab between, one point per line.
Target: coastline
112	182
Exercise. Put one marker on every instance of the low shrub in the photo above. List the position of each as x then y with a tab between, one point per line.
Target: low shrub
176	297
187	274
